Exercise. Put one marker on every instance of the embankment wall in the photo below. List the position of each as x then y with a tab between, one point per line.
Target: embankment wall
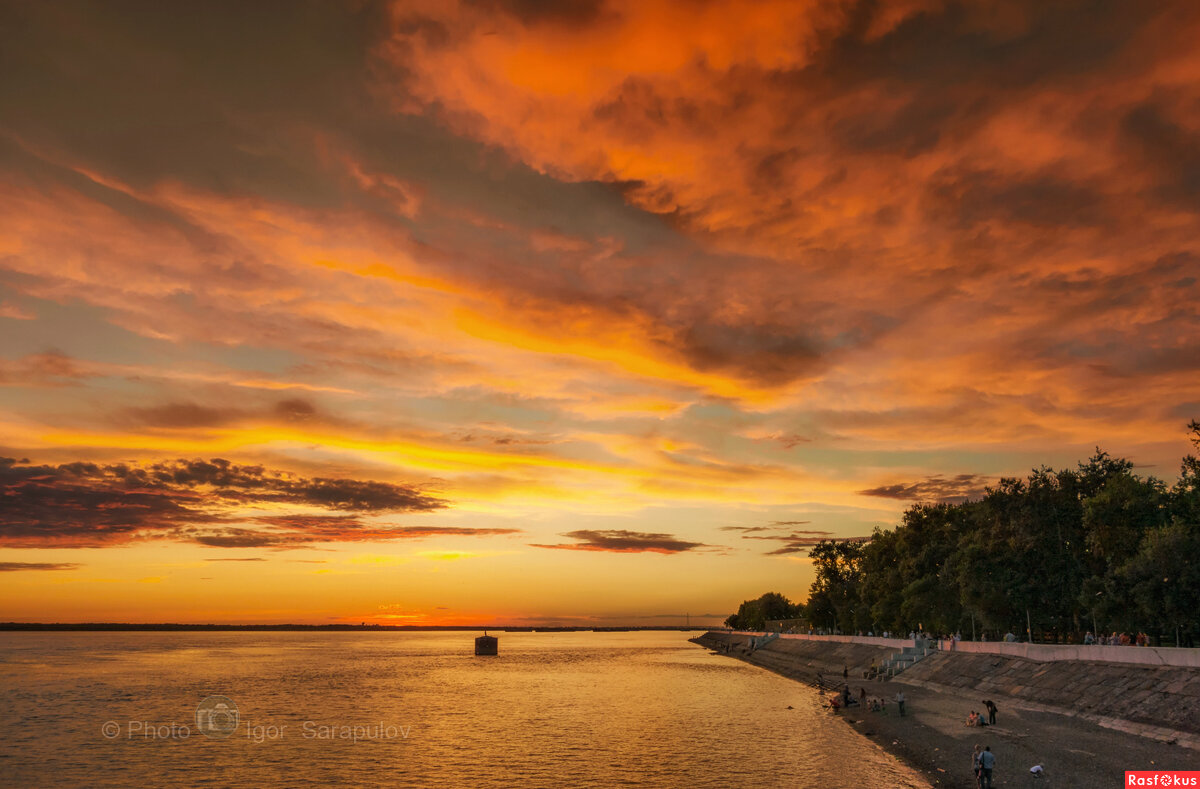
803	658
1161	701
1045	653
1164	696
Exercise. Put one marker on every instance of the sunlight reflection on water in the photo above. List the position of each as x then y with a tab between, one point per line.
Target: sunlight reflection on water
415	709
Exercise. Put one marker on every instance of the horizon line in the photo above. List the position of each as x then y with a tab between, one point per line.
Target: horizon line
136	626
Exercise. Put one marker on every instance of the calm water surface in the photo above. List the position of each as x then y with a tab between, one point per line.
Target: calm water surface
414	709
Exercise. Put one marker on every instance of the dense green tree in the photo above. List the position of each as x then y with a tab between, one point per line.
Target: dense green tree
1163	579
882	582
835	593
753	614
1092	547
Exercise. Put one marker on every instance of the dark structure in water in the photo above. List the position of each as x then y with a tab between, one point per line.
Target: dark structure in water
487	645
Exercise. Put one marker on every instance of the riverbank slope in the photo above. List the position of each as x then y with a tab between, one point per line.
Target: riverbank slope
1073	750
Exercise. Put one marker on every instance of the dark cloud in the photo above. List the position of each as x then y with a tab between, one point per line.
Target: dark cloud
243	559
274	61
801	544
188	415
952	490
792	540
50	368
295	531
86	504
532	12
769	532
966	198
767	354
778	530
940	60
12	567
791	535
622	541
502	440
185	415
1170	149
239	538
295	410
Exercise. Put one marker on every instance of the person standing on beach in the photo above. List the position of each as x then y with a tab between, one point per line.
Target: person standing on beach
991	708
900	701
845	671
986	763
975	762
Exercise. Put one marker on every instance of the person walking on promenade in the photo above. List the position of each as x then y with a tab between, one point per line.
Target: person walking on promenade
975	762
991	708
900	701
987	762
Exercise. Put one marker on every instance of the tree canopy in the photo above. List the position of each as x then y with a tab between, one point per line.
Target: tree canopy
1097	546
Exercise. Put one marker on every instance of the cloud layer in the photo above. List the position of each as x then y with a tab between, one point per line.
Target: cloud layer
672	266
623	541
951	490
91	505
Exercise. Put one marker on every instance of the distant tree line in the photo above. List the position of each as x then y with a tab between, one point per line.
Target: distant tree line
1093	548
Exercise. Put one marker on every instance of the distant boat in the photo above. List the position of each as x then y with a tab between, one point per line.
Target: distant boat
487	645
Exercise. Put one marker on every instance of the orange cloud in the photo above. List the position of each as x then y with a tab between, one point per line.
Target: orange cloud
684	265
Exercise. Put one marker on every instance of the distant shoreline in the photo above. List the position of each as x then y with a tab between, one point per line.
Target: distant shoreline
127	627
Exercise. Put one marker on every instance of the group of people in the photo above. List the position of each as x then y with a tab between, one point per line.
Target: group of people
977	718
1118	639
844	698
822	631
982	764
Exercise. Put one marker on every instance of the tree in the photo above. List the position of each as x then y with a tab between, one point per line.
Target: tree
835	589
753	614
882	584
1059	549
1164	578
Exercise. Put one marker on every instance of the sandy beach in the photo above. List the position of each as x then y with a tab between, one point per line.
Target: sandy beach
933	739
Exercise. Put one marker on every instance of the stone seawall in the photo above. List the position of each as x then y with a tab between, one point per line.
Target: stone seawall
803	659
1045	653
1160	702
1166	697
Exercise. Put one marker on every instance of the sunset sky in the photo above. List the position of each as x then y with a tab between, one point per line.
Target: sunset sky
579	312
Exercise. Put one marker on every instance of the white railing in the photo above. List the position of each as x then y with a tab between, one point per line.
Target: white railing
875	641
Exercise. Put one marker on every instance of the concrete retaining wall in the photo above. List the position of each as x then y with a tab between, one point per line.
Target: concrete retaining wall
1045	653
892	643
1161	696
804	657
895	644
